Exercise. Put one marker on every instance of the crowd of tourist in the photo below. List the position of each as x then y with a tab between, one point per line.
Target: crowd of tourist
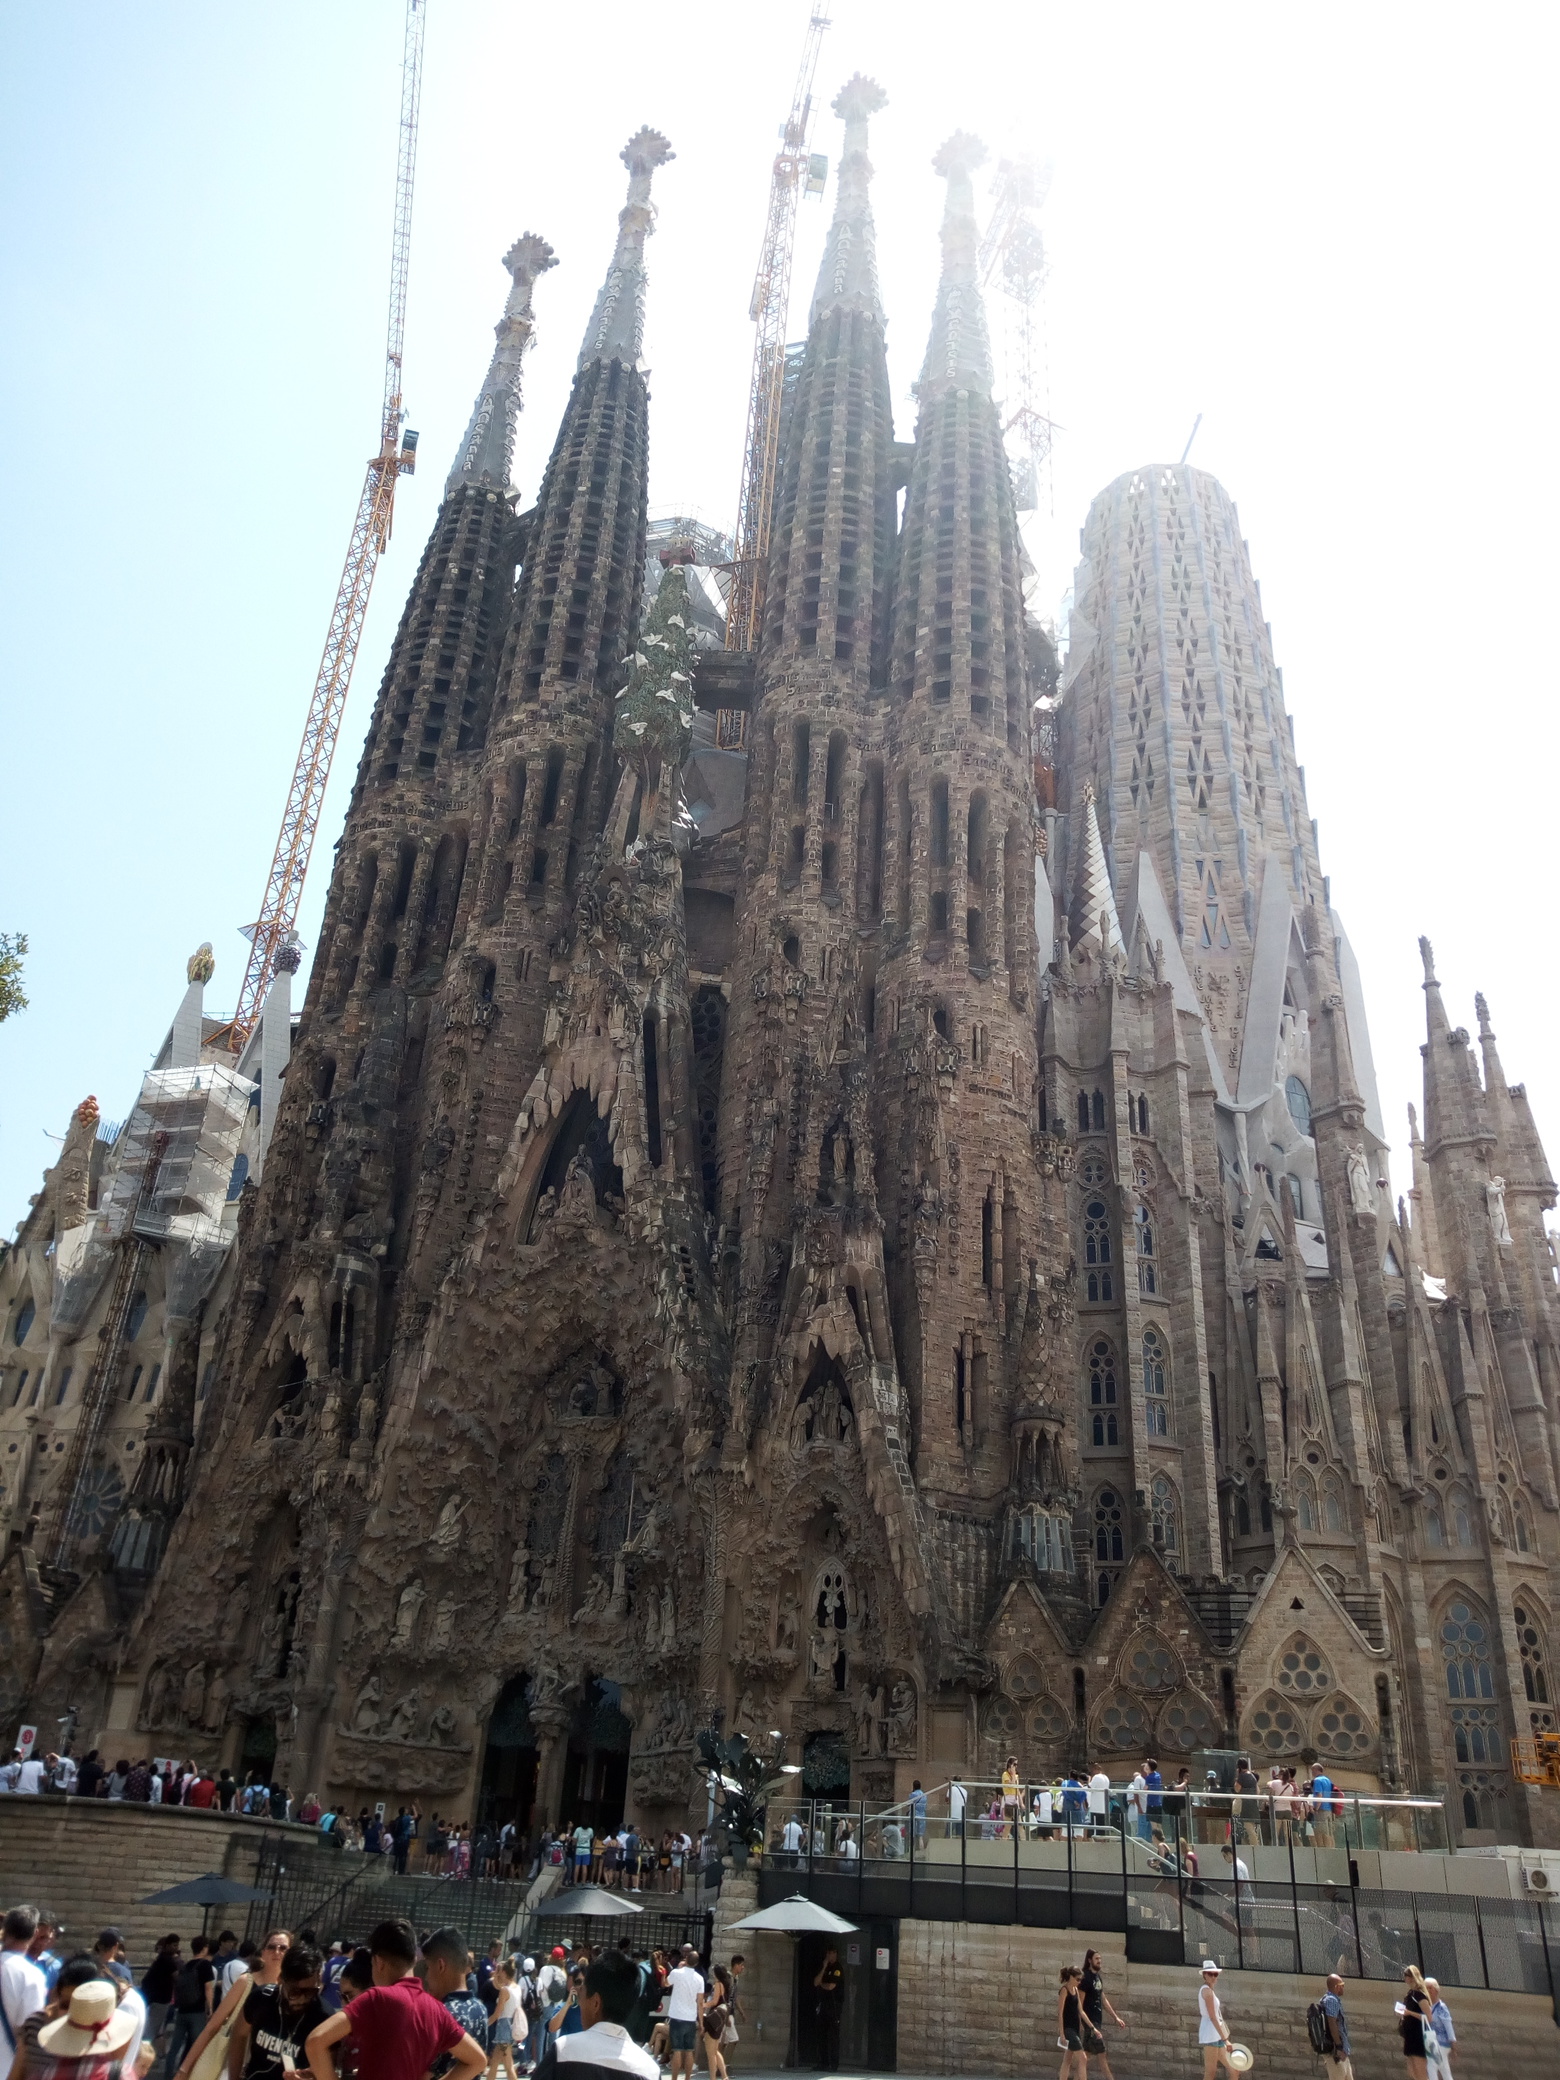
395	2008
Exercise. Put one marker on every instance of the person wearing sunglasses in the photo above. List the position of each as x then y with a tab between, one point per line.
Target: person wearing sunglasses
269	2033
265	1973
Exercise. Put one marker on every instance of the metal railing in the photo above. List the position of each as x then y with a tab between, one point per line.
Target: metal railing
1202	1875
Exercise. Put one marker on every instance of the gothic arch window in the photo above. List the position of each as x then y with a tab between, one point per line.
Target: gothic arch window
1083	1112
1459	1516
1142	1112
1342	1729
831	1605
1465	1651
1186	1724
1122	1724
1103	1392
1302	1668
1523	1534
1001	1723
1148	1275
1435	1525
1535	1679
1332	1503
1298	1099
26	1314
1165	1515
1149	1664
1097	1107
135	1320
1305	1502
1156	1385
1049	1722
1097	1249
1024	1678
1275	1726
1110	1540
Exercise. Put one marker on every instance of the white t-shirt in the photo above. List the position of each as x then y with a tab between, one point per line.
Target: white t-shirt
552	1983
958	1798
232	1972
685	1986
848	1847
29	1775
1137	1797
132	2004
606	2044
23	1991
1043	1805
791	1836
1099	1791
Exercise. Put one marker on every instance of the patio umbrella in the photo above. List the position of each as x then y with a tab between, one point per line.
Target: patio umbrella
587	1899
796	1917
213	1890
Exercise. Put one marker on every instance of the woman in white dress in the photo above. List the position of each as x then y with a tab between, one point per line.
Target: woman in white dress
1212	2030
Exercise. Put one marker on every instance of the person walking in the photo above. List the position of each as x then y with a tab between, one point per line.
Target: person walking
685	2009
1336	2024
1099	1800
714	2022
398	2026
958	1799
23	1986
1212	2031
603	2045
157	1985
1441	2023
1069	2026
1413	2013
506	2016
92	2040
275	2022
1137	1805
1096	2006
225	2013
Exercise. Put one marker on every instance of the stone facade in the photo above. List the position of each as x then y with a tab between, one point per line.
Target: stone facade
907	1265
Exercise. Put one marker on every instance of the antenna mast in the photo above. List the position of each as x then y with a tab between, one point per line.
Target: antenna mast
370	533
794	168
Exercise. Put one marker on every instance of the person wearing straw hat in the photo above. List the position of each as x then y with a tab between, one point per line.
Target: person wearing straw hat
90	2041
1212	2030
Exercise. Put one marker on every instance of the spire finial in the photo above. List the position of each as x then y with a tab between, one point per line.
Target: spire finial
488	449
959	351
1482	1013
617	324
848	270
201	965
1427	955
1094	907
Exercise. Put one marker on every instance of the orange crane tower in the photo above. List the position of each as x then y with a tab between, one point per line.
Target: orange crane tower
795	169
370	533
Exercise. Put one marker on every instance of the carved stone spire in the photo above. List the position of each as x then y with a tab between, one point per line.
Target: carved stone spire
617	324
959	351
848	272
1094	901
486	453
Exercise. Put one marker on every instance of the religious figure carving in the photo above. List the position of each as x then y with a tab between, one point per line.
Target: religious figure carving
1495	1199
745	1718
365	1712
441	1726
899	1734
155	1709
786	1625
441	1636
597	1591
519	1578
869	1720
402	1723
413	1597
801	1425
820	1661
192	1700
1359	1181
668	1619
446	1533
218	1695
268	1653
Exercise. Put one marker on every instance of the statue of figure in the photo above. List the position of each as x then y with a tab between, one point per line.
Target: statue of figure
745	1718
828	1423
1495	1199
441	1636
869	1714
596	1593
192	1700
646	1541
928	1211
786	1625
801	1425
520	1578
155	1710
820	1651
268	1654
402	1724
549	1588
441	1726
446	1533
218	1696
1359	1181
617	1602
668	1619
365	1712
413	1597
900	1730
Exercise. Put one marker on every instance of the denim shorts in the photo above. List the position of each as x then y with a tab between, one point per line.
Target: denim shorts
683	2035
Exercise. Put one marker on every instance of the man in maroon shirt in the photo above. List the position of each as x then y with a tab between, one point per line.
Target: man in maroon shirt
203	1791
398	2026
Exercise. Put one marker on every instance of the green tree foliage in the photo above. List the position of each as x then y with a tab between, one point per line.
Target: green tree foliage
13	945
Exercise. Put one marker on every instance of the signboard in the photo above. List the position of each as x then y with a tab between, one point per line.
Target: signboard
882	1960
26	1741
853	1953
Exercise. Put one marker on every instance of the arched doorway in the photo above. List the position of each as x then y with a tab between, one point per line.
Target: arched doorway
508	1789
595	1774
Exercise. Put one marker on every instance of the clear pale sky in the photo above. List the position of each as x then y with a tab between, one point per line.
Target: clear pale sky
1329	230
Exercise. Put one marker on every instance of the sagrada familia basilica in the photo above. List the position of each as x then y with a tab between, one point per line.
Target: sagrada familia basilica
837	1185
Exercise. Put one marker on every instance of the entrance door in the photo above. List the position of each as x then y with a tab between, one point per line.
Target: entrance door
508	1789
595	1774
820	2010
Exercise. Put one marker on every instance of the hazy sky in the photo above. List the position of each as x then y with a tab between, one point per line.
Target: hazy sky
1328	230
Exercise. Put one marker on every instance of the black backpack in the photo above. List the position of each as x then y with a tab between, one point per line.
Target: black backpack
1316	2029
189	1987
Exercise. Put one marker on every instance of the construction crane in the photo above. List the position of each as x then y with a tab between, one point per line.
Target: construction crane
1012	254
397	457
796	170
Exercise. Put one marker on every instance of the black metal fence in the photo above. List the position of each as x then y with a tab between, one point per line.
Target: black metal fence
346	1905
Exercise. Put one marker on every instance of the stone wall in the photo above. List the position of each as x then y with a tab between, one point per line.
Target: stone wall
93	1863
982	2000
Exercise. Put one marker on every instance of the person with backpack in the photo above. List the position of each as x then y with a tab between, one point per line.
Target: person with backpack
1328	2028
191	2003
